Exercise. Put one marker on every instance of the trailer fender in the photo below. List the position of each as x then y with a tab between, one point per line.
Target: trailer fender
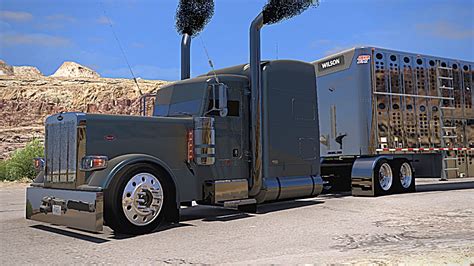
362	175
101	179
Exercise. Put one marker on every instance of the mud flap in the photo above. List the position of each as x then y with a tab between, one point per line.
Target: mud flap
72	208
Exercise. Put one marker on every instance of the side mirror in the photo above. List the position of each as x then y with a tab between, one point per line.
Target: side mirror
223	111
221	89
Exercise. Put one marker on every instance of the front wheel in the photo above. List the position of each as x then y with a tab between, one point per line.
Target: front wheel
137	199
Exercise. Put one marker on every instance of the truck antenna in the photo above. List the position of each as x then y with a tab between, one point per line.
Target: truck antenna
109	22
209	60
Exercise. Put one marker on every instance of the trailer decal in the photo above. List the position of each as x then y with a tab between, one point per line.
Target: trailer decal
363	59
331	63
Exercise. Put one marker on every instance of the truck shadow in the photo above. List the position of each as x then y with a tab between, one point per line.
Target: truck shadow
420	188
77	235
286	205
219	214
207	213
198	212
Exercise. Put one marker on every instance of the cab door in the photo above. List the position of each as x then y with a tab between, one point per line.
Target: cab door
232	141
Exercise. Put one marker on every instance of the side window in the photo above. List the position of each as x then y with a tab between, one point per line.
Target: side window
232	106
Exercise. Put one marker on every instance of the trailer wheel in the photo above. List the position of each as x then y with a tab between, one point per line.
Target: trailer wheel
383	178
137	199
406	177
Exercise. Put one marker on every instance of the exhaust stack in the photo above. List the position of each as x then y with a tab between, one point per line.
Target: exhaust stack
186	56
191	18
273	12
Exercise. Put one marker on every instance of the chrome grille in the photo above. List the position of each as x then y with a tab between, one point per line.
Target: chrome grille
61	148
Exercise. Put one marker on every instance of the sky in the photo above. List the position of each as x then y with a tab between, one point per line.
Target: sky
48	32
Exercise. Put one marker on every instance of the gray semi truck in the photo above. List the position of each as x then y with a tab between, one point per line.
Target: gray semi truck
248	134
234	137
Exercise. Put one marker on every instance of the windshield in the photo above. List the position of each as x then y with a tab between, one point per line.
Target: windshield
180	99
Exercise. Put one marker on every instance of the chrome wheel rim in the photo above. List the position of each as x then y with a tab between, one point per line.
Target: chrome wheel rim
406	175
385	176
142	199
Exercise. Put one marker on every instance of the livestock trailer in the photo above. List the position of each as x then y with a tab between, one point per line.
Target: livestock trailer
378	104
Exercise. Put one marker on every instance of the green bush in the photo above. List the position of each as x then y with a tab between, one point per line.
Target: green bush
3	170
20	165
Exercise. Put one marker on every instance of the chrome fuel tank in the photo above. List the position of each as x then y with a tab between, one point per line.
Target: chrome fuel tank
281	188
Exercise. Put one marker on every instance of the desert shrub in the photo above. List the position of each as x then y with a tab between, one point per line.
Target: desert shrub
20	164
3	169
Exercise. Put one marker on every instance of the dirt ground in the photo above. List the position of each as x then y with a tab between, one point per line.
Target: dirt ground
433	226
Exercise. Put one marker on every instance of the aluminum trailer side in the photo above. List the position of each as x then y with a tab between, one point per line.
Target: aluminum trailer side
380	106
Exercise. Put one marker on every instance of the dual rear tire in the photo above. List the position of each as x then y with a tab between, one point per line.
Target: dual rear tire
394	176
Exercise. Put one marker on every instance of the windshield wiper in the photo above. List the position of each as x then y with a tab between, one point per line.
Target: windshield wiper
181	114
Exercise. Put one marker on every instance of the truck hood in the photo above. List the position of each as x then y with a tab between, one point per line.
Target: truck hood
161	137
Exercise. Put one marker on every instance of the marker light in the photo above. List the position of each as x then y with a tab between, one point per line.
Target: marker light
93	162
38	163
190	144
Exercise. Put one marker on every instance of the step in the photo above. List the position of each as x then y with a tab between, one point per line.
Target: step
448	107
450	137
232	204
448	127
450	159
446	88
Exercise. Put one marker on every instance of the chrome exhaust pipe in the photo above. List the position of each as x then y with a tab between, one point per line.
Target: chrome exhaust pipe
186	56
260	183
256	109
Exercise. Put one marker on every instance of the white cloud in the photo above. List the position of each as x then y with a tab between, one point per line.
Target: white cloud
33	39
340	48
61	17
143	71
15	16
137	45
445	30
4	26
319	43
104	20
96	40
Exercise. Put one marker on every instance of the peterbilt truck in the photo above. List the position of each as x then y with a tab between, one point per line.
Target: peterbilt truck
386	115
234	137
253	133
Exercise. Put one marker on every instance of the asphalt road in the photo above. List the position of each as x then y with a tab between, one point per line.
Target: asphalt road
434	225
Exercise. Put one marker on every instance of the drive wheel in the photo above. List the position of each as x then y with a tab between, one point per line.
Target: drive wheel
137	199
406	177
383	178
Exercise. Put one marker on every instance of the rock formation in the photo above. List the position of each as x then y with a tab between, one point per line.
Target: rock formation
75	70
26	71
5	70
26	100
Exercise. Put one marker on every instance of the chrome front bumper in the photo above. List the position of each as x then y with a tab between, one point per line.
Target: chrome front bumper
72	208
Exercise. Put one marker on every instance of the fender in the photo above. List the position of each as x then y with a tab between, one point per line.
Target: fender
101	179
362	176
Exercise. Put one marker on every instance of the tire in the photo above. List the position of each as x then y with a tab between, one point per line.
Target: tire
383	178
404	176
137	199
